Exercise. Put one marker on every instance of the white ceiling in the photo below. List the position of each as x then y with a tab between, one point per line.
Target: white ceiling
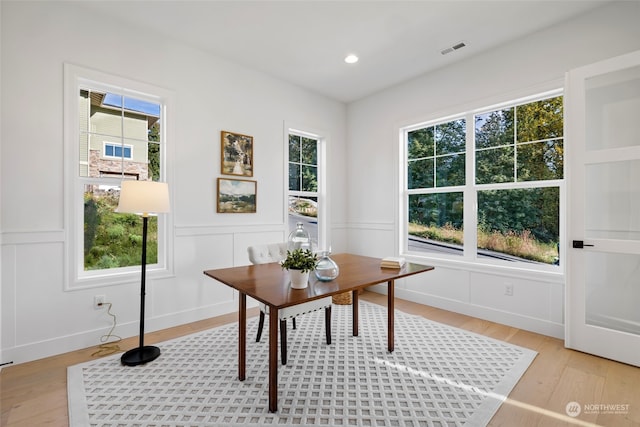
305	42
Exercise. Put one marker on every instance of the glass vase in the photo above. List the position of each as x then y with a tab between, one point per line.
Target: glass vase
299	238
326	269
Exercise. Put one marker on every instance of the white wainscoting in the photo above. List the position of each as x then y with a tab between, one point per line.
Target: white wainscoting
537	303
40	318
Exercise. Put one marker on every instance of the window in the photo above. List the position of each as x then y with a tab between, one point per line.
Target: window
305	185
115	131
117	151
505	206
435	173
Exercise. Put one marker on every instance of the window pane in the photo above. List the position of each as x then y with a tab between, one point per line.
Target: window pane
304	210
309	151
294	148
494	165
153	135
436	223
153	156
294	176
309	178
420	143
137	115
450	170
84	115
105	119
84	108
113	240
303	158
540	120
494	129
540	160
451	137
420	173
519	224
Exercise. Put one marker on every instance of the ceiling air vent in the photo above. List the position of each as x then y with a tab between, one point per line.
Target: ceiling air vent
456	46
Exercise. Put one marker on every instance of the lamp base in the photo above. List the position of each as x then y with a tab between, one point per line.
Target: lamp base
140	355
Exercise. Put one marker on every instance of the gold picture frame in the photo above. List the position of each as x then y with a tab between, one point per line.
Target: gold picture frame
236	155
236	196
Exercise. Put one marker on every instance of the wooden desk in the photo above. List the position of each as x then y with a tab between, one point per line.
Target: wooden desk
269	284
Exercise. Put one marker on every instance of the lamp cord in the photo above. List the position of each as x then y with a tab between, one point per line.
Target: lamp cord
108	347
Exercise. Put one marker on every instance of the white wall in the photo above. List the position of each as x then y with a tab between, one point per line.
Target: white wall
38	317
526	66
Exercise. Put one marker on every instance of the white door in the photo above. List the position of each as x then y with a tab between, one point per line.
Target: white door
602	118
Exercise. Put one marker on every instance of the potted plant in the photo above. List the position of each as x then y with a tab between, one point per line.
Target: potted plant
300	262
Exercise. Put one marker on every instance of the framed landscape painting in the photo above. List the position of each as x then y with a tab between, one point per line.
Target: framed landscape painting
236	196
237	154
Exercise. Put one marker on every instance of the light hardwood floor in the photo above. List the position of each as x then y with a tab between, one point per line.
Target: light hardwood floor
35	394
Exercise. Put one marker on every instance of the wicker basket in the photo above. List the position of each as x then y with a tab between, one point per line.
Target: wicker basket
342	299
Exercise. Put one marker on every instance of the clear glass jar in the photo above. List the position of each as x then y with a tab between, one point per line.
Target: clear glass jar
299	238
327	269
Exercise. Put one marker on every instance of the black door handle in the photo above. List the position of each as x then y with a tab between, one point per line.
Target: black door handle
579	244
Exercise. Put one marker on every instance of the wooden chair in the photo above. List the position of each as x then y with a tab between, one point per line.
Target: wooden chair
275	252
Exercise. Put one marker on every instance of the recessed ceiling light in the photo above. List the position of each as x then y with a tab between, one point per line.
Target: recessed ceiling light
351	59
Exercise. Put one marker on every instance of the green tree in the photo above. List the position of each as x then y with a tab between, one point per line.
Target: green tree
91	222
153	151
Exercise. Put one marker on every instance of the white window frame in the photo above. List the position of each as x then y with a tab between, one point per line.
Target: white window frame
321	194
470	190
75	277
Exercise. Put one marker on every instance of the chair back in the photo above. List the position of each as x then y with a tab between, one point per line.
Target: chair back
272	252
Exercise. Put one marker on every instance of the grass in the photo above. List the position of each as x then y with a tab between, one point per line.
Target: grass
114	240
522	245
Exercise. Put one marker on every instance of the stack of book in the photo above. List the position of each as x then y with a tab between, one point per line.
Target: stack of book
392	262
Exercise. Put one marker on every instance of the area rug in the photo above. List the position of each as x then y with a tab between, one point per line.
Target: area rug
437	376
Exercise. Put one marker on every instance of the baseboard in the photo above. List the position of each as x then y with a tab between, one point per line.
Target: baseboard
64	344
526	323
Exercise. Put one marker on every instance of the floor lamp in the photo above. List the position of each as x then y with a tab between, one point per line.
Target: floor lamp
143	198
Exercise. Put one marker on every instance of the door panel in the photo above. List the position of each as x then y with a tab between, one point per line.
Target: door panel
611	291
611	99
602	115
612	200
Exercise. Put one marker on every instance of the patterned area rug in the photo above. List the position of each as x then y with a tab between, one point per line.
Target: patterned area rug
437	376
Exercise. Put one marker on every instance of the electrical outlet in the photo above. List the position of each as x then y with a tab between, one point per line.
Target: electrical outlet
98	301
508	289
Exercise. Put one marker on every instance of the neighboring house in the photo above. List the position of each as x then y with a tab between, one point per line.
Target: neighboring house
115	139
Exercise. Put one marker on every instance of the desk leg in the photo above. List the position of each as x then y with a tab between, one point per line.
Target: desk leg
390	313
273	359
354	317
242	336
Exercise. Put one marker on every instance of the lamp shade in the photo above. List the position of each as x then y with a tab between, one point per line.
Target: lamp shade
143	197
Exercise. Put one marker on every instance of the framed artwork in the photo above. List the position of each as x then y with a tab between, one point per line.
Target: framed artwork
236	195
237	154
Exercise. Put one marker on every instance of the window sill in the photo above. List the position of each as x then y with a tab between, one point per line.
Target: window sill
117	279
498	269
